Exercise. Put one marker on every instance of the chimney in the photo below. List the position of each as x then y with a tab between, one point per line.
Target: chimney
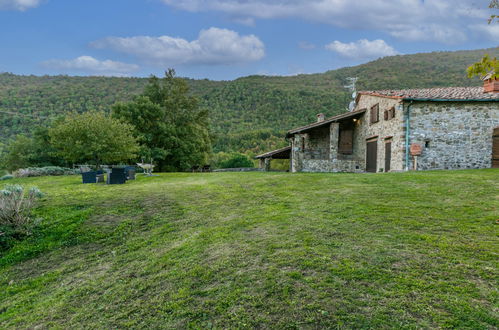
320	117
490	85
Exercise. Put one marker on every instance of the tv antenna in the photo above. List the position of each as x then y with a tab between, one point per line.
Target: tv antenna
352	81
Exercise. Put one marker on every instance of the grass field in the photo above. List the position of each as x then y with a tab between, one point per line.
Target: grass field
278	250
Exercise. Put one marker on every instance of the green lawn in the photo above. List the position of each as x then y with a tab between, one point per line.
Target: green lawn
279	250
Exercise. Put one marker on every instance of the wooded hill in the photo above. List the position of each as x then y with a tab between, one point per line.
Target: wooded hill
247	114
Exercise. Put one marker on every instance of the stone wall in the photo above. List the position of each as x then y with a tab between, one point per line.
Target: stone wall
317	144
454	135
314	165
321	152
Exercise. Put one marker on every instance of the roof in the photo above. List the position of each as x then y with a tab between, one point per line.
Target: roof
283	153
437	94
327	121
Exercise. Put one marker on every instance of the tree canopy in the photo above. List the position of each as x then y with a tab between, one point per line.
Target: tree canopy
93	137
169	124
25	151
486	67
494	4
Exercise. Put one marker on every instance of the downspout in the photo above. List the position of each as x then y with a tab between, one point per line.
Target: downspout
407	134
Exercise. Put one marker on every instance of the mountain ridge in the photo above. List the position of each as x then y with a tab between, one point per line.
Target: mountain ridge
247	114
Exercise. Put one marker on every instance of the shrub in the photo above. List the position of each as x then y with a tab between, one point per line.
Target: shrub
237	160
15	210
6	177
44	171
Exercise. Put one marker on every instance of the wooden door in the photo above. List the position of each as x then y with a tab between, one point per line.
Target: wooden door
372	156
388	156
495	148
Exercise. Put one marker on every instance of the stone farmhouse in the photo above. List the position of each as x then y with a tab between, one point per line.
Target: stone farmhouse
397	130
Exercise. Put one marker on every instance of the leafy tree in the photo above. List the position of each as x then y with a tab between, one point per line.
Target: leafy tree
35	151
494	4
93	137
485	67
18	153
168	123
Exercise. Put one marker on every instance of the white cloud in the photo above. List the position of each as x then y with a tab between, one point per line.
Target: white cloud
213	46
18	4
490	31
435	20
431	32
362	49
88	64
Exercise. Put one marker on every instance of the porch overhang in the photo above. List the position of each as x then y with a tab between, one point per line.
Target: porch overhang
283	153
335	119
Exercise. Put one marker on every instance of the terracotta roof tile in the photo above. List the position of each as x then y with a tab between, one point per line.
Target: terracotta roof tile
445	93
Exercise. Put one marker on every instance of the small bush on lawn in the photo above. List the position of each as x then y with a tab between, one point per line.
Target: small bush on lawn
236	160
15	213
6	177
44	171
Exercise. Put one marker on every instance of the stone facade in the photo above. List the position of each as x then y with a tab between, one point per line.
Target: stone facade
453	135
383	131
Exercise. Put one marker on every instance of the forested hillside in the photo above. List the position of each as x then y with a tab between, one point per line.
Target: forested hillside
247	114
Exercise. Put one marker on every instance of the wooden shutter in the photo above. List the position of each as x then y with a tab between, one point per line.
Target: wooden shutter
345	145
388	156
387	114
371	156
374	113
393	112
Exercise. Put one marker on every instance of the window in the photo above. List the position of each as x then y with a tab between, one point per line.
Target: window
345	143
390	113
303	143
374	113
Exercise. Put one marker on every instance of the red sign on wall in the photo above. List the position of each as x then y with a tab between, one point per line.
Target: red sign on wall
415	149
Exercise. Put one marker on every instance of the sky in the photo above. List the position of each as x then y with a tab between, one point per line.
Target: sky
227	39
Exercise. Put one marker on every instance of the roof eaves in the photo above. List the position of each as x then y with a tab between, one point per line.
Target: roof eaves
325	122
273	152
396	97
448	100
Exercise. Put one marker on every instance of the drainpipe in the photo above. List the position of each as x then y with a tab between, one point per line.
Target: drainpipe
407	133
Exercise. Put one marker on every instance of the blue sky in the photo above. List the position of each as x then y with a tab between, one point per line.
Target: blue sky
226	39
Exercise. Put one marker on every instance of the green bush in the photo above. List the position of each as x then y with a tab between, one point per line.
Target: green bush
44	171
15	209
236	160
